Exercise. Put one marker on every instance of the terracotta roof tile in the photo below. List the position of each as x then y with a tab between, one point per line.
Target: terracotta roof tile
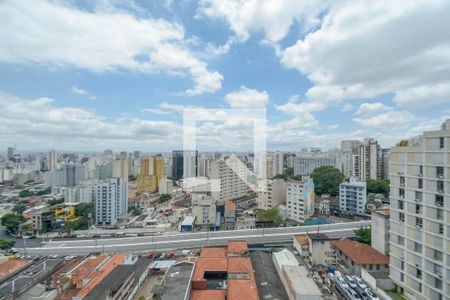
242	289
213	252
209	264
302	239
361	253
237	247
229	205
240	265
10	266
207	295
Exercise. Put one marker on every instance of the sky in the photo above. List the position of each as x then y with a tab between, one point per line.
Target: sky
92	75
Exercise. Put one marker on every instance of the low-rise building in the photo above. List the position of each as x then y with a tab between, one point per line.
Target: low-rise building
301	244
352	197
230	215
352	256
204	209
299	284
380	230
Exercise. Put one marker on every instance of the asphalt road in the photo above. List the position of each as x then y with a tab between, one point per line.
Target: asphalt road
189	240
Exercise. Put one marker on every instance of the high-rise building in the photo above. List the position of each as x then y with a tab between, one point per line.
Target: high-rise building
120	168
151	172
385	157
278	163
232	174
420	215
203	167
51	160
370	159
10	153
104	171
305	164
111	201
350	153
300	199
352	197
68	175
184	163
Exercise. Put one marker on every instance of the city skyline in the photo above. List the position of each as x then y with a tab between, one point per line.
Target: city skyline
64	86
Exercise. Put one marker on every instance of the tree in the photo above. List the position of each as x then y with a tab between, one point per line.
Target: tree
327	180
52	202
12	222
164	198
77	224
131	178
84	209
44	192
269	215
136	211
19	208
25	193
364	235
289	172
24	228
378	186
6	244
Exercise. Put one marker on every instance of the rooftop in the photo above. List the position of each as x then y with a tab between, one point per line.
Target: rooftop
10	266
213	252
177	281
285	257
361	253
240	265
207	295
266	277
237	247
302	239
242	290
318	236
385	212
229	205
300	281
218	264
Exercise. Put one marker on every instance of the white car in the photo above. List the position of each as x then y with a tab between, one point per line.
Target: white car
371	294
353	295
351	282
359	282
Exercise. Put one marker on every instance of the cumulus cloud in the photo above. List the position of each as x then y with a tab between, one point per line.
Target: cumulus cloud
367	48
386	120
63	36
246	98
371	108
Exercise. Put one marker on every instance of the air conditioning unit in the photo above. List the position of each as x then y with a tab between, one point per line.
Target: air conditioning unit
439	204
420	174
402	197
418	226
441	176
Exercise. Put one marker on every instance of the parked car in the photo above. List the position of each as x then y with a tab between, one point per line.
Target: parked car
150	255
169	255
351	282
371	294
359	282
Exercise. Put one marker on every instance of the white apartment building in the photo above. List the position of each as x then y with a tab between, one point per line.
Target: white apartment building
350	153
352	197
203	208
111	201
68	175
203	167
300	199
420	215
305	164
370	160
277	163
231	172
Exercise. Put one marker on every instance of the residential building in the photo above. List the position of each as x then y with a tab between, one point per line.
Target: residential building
177	282
232	174
380	230
111	201
10	153
104	171
352	197
354	256
278	163
301	244
300	199
350	153
151	173
385	157
165	185
274	195
305	164
52	160
184	163
420	215
370	160
68	175
230	215
120	168
203	167
204	209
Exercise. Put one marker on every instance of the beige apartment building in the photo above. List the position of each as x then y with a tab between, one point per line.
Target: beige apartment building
420	215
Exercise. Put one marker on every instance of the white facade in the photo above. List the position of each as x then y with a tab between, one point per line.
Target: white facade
190	163
165	186
370	160
300	199
68	175
203	208
352	197
278	163
111	201
420	215
120	168
305	164
380	231
350	153
231	174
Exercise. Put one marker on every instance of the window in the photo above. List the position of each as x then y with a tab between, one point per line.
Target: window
439	214
419	196
439	200
441	229
437	270
401	217
438	255
402	265
419	222
420	183
438	283
441	143
401	204
400	240
419	274
420	170
418	247
440	186
401	193
440	172
402	181
418	209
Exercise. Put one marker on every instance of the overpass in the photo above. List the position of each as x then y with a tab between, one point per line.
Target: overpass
190	240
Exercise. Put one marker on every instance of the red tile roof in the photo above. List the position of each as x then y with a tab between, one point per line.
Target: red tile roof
209	264
242	290
10	266
207	295
360	253
240	265
213	252
302	239
229	205
237	247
